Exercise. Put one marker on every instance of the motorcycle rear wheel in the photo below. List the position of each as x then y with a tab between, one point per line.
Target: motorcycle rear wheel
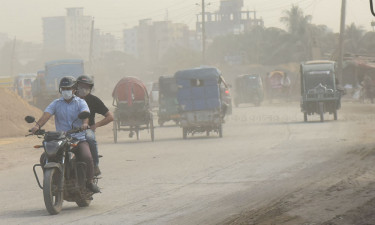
53	198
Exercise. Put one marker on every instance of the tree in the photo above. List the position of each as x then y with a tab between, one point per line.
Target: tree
298	26
353	36
295	20
367	43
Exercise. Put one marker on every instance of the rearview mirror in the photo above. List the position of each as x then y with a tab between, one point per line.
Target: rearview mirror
84	115
30	119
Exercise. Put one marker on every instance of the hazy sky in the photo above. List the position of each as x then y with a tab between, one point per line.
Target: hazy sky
22	18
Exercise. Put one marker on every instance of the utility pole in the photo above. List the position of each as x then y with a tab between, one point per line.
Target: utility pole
12	57
341	41
91	41
203	33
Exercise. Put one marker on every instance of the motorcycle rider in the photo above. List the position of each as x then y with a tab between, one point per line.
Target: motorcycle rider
84	87
66	110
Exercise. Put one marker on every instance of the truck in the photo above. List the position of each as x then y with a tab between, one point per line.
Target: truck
23	85
7	82
45	87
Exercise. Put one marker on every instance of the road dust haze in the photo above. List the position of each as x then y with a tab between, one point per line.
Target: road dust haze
276	162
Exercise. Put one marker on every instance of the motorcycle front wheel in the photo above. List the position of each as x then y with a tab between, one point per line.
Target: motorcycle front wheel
53	198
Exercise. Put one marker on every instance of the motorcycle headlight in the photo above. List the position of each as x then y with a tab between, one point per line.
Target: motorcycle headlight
52	147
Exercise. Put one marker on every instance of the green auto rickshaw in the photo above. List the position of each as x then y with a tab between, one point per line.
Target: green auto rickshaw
168	104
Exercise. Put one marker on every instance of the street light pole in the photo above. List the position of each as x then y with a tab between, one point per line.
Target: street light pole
203	32
341	41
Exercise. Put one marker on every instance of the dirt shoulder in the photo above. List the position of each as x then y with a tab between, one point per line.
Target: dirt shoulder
18	150
342	193
13	110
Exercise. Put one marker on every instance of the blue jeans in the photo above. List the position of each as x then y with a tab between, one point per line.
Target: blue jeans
90	138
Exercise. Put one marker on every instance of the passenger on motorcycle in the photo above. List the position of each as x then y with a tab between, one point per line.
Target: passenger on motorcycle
66	110
85	85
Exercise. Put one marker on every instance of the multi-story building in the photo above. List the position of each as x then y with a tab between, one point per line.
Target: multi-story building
104	43
70	33
4	39
131	42
230	19
27	51
150	40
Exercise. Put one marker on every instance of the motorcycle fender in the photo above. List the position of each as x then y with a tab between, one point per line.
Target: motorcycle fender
53	165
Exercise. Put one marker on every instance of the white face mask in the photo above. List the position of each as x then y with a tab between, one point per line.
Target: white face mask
67	94
82	92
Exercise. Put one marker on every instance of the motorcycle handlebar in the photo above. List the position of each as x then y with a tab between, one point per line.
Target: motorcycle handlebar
76	130
38	132
42	131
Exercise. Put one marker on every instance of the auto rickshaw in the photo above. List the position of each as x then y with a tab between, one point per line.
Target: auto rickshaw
318	89
278	85
168	104
248	89
200	101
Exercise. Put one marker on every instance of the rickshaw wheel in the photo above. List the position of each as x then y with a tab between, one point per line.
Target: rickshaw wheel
152	129
184	133
220	130
305	117
137	133
321	111
335	115
115	131
257	103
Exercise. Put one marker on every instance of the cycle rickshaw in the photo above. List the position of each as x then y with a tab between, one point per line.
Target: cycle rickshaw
132	110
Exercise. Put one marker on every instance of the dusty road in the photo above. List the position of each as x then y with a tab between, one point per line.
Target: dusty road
269	168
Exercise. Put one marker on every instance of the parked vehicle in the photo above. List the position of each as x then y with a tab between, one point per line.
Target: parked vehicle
46	85
23	85
226	97
318	89
132	108
168	104
64	178
200	101
7	82
248	89
278	85
154	95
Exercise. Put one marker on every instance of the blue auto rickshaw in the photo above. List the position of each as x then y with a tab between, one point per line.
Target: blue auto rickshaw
200	103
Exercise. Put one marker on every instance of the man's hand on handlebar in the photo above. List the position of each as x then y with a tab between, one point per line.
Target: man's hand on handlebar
34	129
85	126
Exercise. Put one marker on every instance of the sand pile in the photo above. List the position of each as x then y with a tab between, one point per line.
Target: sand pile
13	110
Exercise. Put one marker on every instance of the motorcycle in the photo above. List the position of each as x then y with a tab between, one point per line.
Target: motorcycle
64	177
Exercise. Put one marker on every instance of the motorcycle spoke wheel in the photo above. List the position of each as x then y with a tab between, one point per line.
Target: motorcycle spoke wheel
53	198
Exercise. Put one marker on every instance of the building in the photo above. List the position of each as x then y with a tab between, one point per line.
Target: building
104	43
26	52
131	42
68	34
149	41
229	19
4	39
